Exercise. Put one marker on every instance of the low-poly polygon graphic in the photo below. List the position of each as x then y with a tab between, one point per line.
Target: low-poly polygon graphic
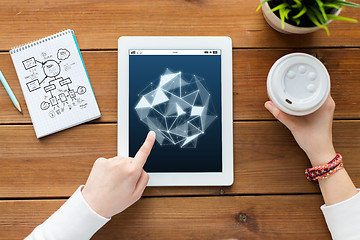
178	109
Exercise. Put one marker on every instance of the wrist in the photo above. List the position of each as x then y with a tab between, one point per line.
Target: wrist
93	203
322	157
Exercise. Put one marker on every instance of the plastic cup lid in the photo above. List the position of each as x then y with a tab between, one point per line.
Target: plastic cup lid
298	84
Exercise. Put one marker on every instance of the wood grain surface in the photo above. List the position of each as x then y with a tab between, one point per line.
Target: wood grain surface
270	189
249	82
212	218
267	160
98	24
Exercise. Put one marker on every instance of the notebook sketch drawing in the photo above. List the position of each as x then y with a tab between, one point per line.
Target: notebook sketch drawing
55	83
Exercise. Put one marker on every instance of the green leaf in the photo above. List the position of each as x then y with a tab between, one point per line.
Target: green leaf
297	21
318	15
334	17
262	3
280	6
346	4
297	4
312	17
322	10
286	13
331	5
302	12
282	17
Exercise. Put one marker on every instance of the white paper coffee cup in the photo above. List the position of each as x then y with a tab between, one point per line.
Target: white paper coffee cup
298	84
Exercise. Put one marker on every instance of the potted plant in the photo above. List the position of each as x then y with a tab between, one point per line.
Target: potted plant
303	16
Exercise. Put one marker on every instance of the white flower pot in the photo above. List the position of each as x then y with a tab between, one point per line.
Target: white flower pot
275	22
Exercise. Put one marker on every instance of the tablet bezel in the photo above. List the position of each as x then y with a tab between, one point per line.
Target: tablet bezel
224	178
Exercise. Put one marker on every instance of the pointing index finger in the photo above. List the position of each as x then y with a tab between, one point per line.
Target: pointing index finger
144	151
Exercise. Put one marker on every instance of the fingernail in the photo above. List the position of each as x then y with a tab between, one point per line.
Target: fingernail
268	106
152	134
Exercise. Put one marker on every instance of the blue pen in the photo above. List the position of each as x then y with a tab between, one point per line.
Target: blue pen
10	92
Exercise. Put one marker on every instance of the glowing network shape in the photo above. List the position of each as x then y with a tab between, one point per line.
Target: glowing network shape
178	109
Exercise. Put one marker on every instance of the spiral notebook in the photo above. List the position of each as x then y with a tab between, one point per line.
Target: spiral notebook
55	83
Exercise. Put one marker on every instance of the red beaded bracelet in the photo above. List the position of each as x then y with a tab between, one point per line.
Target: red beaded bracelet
324	171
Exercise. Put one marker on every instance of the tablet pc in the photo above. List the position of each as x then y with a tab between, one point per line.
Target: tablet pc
181	88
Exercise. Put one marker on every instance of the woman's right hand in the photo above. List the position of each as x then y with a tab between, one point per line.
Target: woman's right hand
312	132
115	184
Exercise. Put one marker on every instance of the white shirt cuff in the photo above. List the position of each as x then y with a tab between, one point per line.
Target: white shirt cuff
75	219
343	218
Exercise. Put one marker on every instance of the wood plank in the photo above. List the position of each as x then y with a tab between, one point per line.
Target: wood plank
251	68
249	83
267	160
98	24
268	217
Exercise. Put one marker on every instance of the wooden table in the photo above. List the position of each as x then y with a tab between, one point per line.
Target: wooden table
270	198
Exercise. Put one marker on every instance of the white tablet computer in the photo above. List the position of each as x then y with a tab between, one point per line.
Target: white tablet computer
181	88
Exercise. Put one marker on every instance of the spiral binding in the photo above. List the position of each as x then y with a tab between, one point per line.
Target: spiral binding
39	41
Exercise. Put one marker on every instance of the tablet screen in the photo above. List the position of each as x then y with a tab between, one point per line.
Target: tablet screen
177	94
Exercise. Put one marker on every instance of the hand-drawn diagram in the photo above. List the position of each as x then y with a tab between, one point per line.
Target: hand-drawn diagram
178	109
59	95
